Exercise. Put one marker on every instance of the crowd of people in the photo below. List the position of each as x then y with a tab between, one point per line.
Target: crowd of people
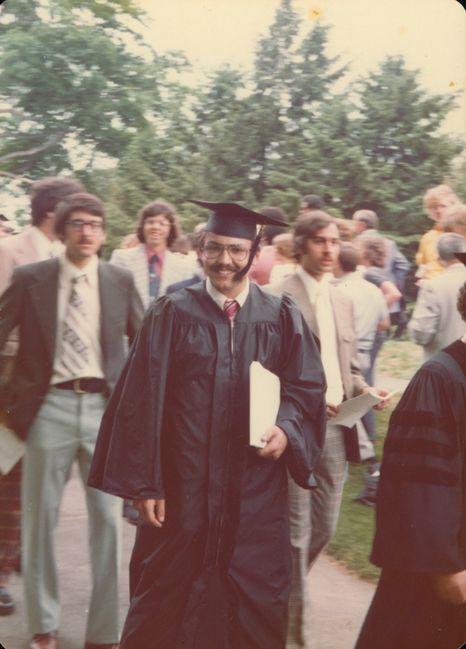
138	370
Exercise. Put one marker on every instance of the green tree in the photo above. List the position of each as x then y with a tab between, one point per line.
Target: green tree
398	131
326	162
70	87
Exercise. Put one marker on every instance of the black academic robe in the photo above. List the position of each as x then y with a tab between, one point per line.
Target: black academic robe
421	511
217	574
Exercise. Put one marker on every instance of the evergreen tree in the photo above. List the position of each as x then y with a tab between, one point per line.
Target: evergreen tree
398	132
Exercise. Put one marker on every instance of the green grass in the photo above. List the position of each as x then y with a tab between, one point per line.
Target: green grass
399	358
352	542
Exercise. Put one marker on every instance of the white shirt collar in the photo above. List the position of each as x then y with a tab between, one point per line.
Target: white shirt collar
455	267
220	299
69	271
311	285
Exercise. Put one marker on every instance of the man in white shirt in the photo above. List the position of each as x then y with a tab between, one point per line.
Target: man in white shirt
73	314
366	223
329	314
370	313
435	322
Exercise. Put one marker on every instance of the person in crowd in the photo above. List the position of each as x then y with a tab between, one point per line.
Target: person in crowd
285	259
266	255
211	564
36	242
183	245
370	313
73	314
437	200
366	223
373	251
152	264
346	229
130	241
6	227
154	267
454	219
309	203
329	314
371	317
420	601
435	322
197	238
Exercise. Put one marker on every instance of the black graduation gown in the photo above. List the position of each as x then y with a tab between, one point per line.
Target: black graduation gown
217	574
421	511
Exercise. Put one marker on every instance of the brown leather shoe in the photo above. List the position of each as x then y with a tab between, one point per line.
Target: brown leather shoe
44	641
96	645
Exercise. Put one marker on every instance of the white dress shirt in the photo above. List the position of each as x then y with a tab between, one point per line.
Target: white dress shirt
319	296
220	299
368	304
67	272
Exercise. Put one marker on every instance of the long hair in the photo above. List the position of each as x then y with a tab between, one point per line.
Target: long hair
155	208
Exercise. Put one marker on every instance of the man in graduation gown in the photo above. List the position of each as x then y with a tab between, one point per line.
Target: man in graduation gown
211	564
420	539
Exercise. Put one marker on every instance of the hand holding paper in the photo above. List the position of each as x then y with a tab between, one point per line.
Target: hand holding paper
353	409
275	442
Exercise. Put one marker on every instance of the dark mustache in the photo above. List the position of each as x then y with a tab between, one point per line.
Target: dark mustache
218	267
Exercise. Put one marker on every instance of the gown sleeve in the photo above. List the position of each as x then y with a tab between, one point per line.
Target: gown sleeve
127	459
302	412
421	494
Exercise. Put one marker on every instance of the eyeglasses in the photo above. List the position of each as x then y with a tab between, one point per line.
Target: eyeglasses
160	222
212	250
79	224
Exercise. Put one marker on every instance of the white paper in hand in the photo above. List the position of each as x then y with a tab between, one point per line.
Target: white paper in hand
350	411
264	393
11	449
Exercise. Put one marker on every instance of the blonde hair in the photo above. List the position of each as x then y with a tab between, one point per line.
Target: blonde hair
436	194
454	219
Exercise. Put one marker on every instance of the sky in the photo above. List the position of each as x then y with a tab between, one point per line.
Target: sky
430	34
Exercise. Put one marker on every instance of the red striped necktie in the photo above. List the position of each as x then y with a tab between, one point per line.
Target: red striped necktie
230	307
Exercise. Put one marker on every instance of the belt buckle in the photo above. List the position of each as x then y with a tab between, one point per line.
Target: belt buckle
77	387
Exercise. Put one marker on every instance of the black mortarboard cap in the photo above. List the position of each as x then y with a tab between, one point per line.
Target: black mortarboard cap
232	220
461	256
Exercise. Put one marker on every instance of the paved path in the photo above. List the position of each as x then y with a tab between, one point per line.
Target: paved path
340	600
74	571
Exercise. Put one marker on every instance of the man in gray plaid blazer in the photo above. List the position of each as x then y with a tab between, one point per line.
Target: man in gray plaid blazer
329	314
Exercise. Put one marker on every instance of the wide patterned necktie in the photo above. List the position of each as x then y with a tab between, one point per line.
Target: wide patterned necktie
230	307
154	279
76	335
